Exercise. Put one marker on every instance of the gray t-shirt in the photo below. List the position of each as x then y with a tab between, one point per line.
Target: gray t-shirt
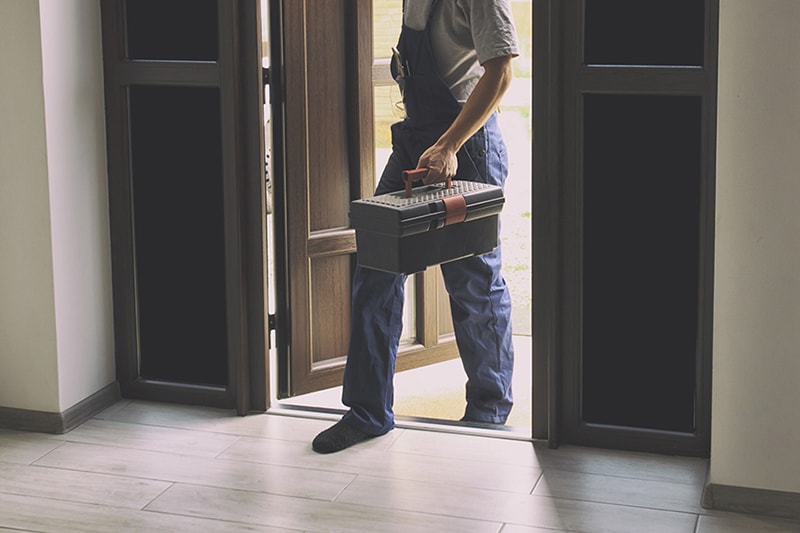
464	35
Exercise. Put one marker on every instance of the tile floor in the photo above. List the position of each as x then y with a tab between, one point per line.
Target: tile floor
142	466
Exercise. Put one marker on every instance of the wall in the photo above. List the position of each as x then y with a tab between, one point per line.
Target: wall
755	415
28	370
76	160
56	344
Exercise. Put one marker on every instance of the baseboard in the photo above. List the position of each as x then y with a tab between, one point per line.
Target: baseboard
58	423
754	501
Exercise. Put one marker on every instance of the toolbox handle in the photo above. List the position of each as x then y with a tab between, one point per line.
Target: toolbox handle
410	176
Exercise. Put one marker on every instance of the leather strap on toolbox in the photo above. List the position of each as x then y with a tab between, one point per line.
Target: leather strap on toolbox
455	209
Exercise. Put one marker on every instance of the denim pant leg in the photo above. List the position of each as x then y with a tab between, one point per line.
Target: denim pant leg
376	326
480	302
377	322
480	306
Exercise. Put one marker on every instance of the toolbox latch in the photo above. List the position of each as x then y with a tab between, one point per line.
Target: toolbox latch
455	209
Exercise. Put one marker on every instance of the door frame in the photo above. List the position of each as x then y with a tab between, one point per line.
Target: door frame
547	184
432	345
250	376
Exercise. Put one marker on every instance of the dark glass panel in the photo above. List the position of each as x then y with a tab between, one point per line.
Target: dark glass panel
641	187
176	151
180	30
644	32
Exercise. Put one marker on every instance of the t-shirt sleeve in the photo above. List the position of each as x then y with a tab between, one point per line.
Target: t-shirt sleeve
492	26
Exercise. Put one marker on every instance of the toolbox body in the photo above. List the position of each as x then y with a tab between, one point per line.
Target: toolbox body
404	232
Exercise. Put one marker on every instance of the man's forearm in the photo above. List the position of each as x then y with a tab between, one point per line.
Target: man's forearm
481	103
440	159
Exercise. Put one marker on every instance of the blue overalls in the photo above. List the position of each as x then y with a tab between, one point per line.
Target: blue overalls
479	299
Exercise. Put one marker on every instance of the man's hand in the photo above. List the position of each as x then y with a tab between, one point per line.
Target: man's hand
441	163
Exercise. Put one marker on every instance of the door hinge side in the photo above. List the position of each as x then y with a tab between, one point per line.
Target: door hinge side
272	325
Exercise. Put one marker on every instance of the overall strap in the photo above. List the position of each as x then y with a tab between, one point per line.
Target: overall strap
430	13
434	3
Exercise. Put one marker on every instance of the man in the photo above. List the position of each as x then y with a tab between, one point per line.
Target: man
453	64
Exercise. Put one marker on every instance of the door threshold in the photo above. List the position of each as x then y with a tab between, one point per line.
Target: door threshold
410	422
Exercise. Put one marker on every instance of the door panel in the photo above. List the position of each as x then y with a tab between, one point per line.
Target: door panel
330	301
639	113
321	167
186	195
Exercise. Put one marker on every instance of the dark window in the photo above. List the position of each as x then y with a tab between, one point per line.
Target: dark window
644	32
179	30
641	195
176	152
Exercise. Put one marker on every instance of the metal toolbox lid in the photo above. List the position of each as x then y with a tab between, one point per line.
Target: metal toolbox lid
424	210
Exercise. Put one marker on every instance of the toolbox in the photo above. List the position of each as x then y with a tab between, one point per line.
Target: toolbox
407	231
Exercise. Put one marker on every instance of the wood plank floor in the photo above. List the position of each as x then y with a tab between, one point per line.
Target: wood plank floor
142	466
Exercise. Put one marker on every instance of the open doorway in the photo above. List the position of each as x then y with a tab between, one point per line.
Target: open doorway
435	392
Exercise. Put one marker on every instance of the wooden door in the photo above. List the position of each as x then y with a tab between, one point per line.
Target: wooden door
185	145
639	107
322	158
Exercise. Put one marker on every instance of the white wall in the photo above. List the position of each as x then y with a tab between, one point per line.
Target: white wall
56	345
756	382
28	370
76	161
